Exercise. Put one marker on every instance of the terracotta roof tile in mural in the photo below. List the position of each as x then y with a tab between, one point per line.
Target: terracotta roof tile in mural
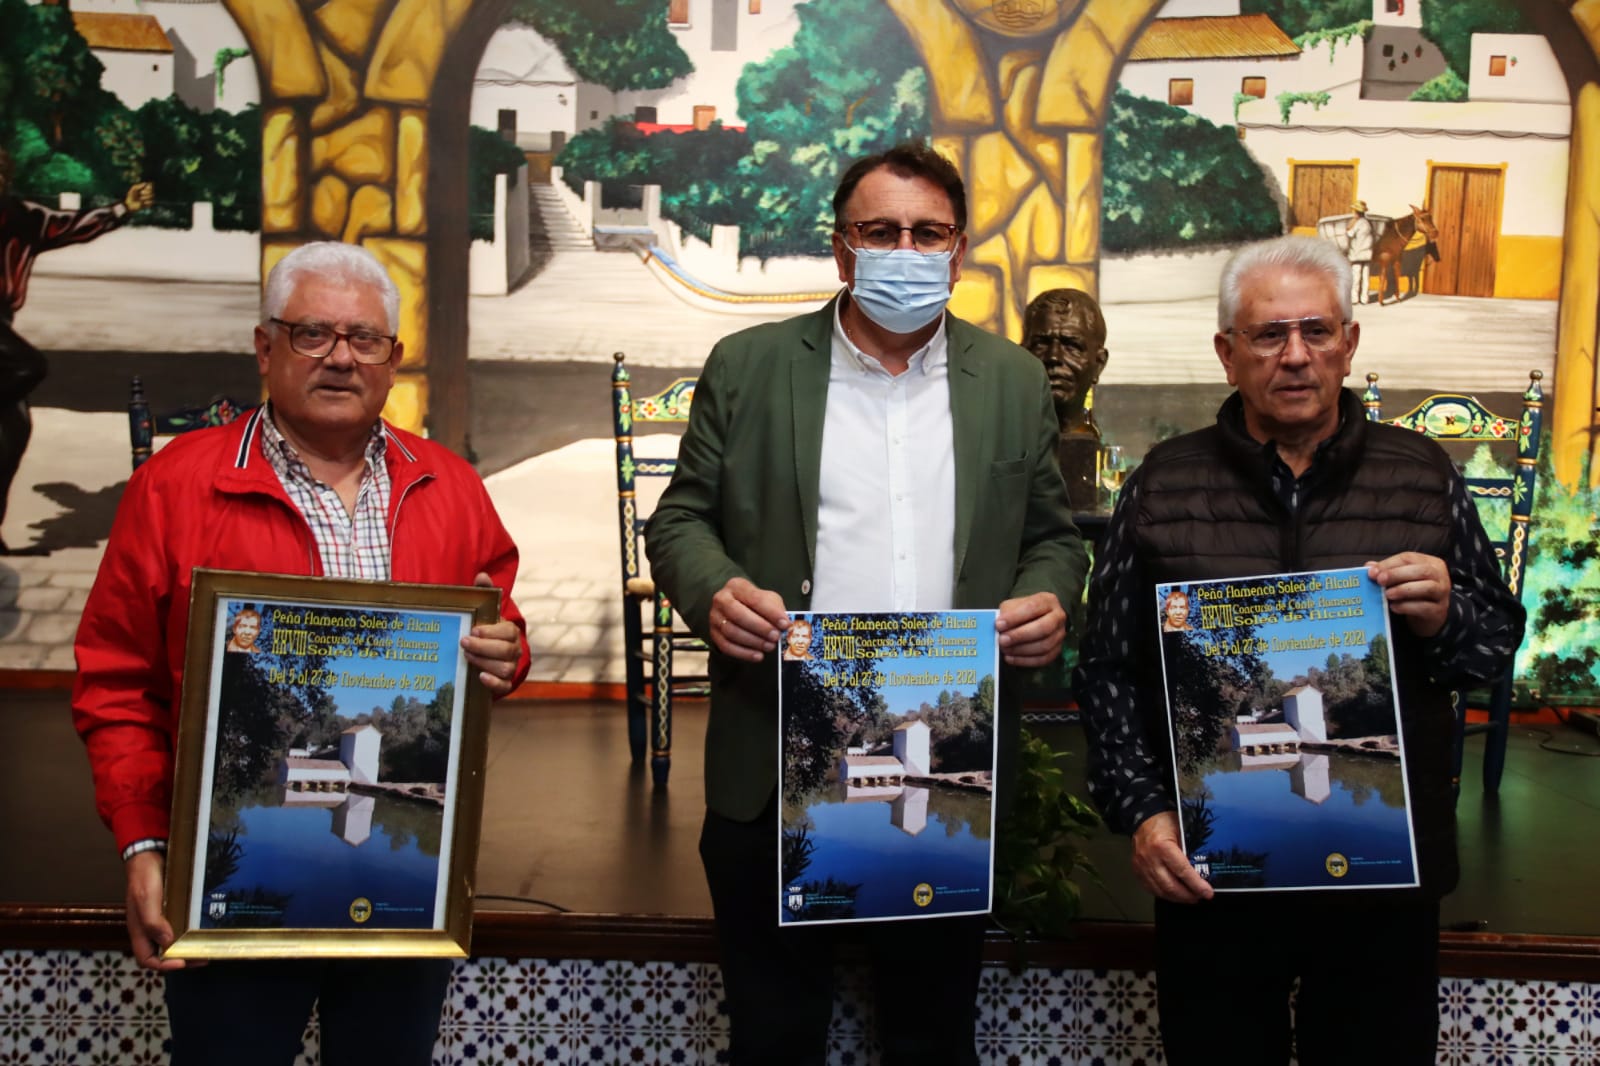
121	33
1213	37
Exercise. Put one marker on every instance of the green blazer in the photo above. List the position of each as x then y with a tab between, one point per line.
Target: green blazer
743	503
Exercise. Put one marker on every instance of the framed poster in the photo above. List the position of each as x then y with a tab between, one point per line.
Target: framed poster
886	765
329	777
1289	760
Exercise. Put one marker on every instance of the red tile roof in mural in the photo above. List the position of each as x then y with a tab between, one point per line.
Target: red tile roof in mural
1213	37
121	33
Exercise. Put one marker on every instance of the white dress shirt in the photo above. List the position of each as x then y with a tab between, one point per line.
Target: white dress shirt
887	495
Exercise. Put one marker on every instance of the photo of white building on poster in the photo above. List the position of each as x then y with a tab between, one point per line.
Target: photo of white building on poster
330	794
1289	760
887	734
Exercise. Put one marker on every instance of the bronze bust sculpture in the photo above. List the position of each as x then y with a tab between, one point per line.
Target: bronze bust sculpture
1066	331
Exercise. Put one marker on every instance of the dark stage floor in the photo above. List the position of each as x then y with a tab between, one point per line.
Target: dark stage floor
569	821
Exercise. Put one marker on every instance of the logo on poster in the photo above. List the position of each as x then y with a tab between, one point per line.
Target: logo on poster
1337	865
922	895
218	906
360	909
797	900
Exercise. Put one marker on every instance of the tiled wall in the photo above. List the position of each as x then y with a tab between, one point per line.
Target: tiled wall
83	1008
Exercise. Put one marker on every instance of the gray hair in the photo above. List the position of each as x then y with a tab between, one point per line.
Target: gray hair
349	264
1298	254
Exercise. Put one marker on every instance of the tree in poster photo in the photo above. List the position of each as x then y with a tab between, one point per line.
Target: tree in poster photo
820	717
1211	677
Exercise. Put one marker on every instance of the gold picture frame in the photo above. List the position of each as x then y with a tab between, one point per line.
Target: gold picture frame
272	852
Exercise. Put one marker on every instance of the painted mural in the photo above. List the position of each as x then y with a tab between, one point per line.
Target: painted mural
552	183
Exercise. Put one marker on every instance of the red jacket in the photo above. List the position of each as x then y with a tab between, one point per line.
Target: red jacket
211	499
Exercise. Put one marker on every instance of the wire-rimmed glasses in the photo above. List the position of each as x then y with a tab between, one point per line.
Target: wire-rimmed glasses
1268	339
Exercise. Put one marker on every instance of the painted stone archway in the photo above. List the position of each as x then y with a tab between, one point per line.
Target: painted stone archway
1020	92
1575	418
348	120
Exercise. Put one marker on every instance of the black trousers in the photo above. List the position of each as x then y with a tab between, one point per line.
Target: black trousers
374	1012
779	981
22	368
1368	971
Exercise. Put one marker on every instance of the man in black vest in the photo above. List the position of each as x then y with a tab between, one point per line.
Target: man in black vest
1292	478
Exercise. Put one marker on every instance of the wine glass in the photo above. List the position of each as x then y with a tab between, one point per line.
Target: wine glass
1113	469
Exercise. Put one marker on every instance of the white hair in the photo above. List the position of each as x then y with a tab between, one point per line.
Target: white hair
349	264
1300	254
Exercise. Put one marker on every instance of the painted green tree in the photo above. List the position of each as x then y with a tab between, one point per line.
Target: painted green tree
691	167
200	157
1560	657
55	75
1295	17
850	84
66	134
1174	180
621	44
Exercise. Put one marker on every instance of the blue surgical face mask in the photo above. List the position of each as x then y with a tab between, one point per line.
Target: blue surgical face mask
901	290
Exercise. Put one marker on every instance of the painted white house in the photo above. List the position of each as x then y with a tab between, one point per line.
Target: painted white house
1302	709
1519	67
719	37
1200	62
1492	172
1501	155
1397	58
1397	13
911	747
136	53
358	749
197	31
524	86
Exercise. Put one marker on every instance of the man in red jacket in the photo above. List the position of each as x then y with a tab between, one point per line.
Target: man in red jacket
314	483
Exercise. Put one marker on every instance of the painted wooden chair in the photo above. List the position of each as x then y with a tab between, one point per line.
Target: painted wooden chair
651	639
1458	417
144	427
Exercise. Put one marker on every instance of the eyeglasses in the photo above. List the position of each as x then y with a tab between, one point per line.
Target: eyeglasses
1268	339
316	341
882	235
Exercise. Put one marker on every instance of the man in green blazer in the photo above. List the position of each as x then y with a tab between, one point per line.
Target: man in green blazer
878	454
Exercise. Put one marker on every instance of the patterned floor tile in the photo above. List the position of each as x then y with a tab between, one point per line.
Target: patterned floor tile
98	1009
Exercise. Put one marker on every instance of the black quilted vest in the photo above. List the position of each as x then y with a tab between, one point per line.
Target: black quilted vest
1207	510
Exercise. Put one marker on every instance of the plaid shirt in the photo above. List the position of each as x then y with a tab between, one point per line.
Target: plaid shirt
351	545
